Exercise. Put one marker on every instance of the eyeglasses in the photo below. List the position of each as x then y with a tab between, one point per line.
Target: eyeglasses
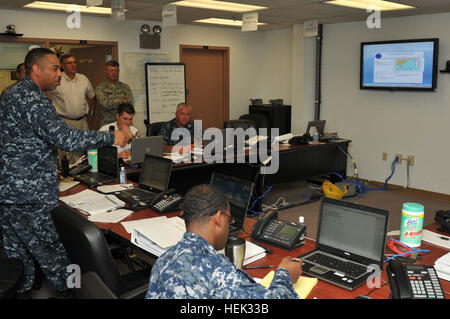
231	219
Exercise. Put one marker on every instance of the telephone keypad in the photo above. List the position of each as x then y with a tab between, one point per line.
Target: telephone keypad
424	282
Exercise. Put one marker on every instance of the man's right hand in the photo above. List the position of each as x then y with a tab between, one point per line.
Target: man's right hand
121	138
293	267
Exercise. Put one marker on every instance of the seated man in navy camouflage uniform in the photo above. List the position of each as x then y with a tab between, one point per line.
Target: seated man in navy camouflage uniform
31	131
194	268
182	120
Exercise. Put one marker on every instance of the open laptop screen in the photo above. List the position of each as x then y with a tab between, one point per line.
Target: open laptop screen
353	229
238	193
108	163
155	173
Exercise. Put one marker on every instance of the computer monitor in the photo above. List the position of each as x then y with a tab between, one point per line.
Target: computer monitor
320	125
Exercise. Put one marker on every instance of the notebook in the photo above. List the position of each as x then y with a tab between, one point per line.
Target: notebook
152	145
238	193
154	179
350	245
108	168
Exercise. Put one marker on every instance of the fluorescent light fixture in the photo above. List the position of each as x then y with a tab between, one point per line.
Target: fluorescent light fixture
64	7
228	22
218	5
364	4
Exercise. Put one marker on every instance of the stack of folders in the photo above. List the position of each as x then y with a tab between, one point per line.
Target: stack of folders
93	203
158	234
442	267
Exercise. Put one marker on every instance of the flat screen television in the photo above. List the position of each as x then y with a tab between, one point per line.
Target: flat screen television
399	65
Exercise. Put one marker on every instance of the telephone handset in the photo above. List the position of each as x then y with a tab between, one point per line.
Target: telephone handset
413	281
80	168
166	201
283	234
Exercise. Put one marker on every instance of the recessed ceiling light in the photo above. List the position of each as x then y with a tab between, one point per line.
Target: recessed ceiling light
364	4
64	7
228	22
218	5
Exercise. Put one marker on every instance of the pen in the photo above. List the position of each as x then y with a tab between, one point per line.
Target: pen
258	267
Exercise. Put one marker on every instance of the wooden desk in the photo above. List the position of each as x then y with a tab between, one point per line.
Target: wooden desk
322	290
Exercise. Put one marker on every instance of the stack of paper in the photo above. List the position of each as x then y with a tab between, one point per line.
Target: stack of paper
302	287
90	202
110	217
65	185
157	234
442	267
253	252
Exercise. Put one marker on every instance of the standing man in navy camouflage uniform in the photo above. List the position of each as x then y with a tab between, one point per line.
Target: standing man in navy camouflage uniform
31	132
194	269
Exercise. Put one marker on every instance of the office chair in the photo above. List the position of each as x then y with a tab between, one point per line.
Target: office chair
245	124
153	129
86	246
260	120
11	271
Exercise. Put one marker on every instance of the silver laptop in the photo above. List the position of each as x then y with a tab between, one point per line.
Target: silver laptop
152	145
350	245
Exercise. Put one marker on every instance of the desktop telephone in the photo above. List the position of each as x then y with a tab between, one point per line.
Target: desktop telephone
166	201
81	168
413	281
283	234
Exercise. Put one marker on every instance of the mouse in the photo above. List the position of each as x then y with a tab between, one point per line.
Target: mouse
363	297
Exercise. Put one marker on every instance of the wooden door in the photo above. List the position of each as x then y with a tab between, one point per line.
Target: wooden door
91	62
207	82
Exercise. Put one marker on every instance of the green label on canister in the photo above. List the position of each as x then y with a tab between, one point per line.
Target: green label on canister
412	224
92	159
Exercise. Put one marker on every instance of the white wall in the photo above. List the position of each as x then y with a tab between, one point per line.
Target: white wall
244	46
411	123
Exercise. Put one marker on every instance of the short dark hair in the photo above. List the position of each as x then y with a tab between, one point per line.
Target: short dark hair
125	107
18	66
203	201
65	57
35	55
112	63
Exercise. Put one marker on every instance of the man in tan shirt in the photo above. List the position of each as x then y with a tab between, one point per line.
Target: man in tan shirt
74	99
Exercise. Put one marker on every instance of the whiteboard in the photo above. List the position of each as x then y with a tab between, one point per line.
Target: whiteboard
166	88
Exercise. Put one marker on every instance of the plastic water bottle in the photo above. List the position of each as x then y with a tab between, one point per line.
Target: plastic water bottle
123	175
315	135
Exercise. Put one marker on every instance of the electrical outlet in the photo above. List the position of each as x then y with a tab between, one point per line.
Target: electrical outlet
410	160
400	157
384	156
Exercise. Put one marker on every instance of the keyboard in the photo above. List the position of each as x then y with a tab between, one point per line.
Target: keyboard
138	194
349	268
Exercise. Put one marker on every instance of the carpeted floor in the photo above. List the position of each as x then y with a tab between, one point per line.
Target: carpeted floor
391	200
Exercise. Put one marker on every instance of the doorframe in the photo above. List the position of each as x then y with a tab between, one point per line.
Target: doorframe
226	73
47	43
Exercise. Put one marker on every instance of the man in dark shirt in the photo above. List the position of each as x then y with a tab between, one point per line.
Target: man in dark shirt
182	120
29	185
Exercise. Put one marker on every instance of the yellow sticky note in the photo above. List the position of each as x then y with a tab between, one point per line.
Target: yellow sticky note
302	287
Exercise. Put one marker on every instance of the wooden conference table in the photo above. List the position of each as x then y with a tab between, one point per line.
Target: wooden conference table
322	290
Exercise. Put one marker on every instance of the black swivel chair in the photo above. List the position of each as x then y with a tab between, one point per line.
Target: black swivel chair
153	129
260	120
11	271
86	246
245	124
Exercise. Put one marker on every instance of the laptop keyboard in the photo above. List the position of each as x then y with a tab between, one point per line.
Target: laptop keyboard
143	195
347	267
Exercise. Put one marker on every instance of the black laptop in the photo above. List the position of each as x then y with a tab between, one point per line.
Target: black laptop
152	145
238	193
320	125
108	168
350	245
154	179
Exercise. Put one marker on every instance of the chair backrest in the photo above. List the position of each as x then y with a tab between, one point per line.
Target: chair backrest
245	124
261	121
153	129
86	246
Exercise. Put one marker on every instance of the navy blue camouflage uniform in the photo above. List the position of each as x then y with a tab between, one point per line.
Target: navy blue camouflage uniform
170	126
193	269
30	134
